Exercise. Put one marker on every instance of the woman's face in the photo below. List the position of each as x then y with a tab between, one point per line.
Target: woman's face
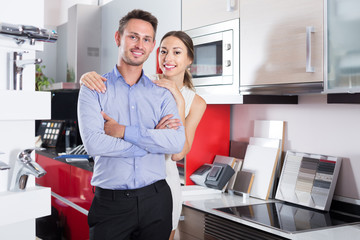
173	57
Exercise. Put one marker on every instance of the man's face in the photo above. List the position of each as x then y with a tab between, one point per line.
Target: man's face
136	43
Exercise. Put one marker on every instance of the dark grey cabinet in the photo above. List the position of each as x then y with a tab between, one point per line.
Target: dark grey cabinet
201	225
191	227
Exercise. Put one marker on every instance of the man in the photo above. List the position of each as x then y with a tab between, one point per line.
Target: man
132	199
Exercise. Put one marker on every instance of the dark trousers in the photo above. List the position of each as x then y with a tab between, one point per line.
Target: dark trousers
144	213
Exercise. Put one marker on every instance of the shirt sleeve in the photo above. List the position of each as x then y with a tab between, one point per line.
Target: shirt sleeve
91	126
164	141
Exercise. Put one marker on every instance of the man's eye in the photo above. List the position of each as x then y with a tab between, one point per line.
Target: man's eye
132	37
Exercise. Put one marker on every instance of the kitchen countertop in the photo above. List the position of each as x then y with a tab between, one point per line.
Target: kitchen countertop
207	202
53	153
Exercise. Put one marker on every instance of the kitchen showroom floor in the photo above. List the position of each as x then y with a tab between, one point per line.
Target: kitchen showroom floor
176	237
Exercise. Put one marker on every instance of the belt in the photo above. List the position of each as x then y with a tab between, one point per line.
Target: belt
130	193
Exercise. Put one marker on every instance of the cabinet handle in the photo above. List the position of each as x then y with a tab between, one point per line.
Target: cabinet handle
309	30
230	5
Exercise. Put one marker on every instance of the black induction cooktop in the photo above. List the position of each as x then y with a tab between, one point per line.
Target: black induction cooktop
289	218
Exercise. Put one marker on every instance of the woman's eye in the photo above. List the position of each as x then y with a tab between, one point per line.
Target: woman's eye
177	53
162	52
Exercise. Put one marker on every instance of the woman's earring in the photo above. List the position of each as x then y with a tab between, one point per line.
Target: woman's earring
189	67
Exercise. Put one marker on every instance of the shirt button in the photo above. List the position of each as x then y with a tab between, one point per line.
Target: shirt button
132	107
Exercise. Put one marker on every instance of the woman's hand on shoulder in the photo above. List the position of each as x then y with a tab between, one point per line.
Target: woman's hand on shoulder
93	81
166	83
171	86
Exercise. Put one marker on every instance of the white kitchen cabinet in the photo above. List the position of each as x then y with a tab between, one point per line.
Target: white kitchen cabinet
19	109
200	13
14	210
25	105
278	40
342	47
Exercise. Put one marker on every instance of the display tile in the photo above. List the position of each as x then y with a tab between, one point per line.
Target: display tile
262	162
308	179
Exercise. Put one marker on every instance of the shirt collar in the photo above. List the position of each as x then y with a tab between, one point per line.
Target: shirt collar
143	79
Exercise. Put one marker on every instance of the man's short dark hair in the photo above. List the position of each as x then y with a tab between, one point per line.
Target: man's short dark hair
138	14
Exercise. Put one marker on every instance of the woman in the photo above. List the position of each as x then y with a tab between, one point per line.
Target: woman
175	55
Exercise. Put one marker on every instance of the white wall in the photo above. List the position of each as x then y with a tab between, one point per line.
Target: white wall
312	126
56	12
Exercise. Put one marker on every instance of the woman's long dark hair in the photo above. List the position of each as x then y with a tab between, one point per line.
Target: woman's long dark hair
190	52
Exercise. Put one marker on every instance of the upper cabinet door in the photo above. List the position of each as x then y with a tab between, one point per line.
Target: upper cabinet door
281	42
343	46
200	13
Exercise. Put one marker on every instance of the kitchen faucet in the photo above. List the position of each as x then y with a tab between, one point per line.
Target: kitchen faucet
21	33
24	165
18	67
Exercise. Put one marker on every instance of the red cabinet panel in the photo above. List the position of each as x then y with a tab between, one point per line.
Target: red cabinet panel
57	176
81	192
73	223
78	228
73	184
212	138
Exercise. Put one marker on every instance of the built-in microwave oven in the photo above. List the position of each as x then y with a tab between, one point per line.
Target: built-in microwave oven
216	65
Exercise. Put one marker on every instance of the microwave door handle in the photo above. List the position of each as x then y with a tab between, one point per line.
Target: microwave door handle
228	63
228	46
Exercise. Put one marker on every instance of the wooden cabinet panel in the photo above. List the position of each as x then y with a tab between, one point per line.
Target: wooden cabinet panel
200	13
273	40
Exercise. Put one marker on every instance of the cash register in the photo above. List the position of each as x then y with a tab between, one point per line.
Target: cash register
214	175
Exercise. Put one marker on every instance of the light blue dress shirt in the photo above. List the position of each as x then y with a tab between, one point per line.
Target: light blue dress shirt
138	159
